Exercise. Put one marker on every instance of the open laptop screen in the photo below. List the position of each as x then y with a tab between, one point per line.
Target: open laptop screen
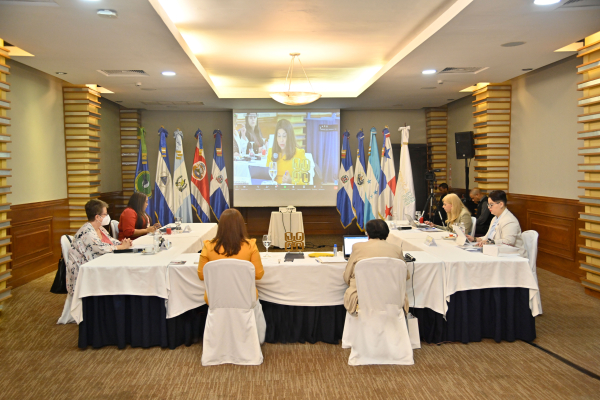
349	241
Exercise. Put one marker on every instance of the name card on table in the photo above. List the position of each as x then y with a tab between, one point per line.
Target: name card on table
429	241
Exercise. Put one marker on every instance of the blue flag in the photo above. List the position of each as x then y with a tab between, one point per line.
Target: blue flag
373	171
346	184
219	191
142	182
181	191
162	206
360	179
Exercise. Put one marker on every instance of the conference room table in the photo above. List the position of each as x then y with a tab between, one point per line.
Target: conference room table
468	296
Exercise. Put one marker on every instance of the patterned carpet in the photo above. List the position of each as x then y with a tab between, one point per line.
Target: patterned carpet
40	359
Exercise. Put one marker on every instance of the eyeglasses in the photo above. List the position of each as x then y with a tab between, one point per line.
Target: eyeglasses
103	215
490	205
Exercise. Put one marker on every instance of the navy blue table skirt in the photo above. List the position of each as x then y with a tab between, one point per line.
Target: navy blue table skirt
473	315
141	321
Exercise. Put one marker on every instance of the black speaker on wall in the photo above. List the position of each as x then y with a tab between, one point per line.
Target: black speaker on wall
465	147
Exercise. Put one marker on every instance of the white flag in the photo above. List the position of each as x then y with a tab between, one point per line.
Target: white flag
405	189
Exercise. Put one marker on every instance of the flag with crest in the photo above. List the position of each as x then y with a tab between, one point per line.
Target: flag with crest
360	180
181	185
346	184
219	191
162	206
141	182
200	190
405	192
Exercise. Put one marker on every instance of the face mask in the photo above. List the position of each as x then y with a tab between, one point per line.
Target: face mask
106	220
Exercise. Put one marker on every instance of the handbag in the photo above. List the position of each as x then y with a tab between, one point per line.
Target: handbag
59	286
413	331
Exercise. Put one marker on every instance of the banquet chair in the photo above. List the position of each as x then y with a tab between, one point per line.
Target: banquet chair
235	325
473	225
378	334
66	318
530	240
114	229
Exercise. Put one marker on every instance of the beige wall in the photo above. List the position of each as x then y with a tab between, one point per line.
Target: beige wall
543	149
460	119
110	147
37	129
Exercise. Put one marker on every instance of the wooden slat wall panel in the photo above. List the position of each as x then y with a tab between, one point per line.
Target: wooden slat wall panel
5	173
590	135
82	148
492	136
436	120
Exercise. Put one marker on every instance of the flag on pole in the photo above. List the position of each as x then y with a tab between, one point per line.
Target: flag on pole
162	206
142	182
219	191
181	188
405	195
360	180
387	178
373	171
346	184
200	188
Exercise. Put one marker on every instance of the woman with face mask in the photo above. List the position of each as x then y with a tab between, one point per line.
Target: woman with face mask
292	165
91	241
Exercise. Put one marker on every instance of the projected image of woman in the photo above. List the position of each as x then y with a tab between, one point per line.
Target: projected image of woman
292	165
254	133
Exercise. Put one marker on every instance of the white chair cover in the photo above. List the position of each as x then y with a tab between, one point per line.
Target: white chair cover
379	334
114	229
473	225
530	240
66	317
235	324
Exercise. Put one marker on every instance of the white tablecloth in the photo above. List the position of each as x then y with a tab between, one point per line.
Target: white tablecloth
302	282
282	223
134	273
469	271
186	290
428	279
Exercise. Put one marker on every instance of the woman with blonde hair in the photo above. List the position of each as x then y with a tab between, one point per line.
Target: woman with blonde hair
457	213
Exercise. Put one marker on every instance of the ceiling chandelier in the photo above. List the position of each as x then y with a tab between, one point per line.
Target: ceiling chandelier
291	98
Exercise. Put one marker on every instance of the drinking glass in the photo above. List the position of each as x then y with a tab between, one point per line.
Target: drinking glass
272	171
251	152
178	223
267	243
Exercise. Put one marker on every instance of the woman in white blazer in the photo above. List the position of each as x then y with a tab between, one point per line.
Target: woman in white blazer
504	228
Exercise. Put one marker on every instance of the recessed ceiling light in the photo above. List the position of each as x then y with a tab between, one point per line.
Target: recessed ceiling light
61	73
169	73
527	69
512	44
429	71
104	12
545	2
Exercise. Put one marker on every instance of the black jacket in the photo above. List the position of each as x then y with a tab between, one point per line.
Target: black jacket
484	217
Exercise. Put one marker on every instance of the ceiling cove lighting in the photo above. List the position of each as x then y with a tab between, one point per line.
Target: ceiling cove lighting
169	73
429	71
291	98
545	2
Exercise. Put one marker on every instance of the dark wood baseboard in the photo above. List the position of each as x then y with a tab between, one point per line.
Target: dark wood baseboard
36	231
592	293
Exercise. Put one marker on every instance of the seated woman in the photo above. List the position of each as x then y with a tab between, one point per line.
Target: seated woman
91	241
376	246
292	165
231	242
504	228
457	213
134	222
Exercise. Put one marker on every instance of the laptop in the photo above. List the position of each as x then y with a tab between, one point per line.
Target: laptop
461	238
351	240
415	223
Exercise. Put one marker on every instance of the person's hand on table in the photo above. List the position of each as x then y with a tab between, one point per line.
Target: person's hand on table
286	178
157	225
471	238
151	229
429	223
125	244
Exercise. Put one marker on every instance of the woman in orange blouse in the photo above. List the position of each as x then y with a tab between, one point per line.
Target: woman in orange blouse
231	242
134	221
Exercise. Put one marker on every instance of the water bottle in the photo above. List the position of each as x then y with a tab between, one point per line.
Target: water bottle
335	250
156	242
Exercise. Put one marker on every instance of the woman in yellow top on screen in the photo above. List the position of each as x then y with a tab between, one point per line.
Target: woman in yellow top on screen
292	165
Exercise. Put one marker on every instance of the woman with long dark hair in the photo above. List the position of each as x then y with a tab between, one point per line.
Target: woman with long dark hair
134	221
292	165
231	242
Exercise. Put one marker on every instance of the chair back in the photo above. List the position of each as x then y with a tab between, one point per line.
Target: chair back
473	225
380	282
230	284
65	245
530	240
114	228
